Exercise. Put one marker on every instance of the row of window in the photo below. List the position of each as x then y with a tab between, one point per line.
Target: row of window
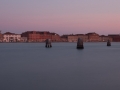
12	37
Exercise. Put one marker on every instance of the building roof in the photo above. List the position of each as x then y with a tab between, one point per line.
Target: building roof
103	36
92	33
114	35
79	34
9	33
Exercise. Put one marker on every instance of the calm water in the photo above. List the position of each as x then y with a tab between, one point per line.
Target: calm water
31	66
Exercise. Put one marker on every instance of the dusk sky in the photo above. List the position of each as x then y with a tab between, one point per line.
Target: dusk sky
60	16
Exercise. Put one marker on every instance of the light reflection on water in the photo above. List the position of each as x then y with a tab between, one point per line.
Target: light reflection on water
31	66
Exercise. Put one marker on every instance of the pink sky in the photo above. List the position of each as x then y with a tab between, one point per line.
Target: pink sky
69	17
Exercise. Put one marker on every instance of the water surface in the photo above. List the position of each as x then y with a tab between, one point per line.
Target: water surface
31	66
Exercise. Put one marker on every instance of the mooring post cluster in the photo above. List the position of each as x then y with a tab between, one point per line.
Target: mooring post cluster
108	43
48	43
79	43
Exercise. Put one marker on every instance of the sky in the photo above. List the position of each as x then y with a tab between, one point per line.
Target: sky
60	16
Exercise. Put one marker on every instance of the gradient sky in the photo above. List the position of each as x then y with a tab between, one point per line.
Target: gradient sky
60	16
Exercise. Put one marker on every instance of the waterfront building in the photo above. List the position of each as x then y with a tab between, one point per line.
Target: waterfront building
115	37
40	36
1	37
93	37
11	37
74	38
64	38
55	37
104	38
83	37
23	39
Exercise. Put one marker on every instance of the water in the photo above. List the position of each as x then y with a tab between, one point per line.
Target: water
31	66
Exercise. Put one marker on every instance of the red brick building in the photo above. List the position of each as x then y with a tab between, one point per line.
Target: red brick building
115	37
93	37
104	38
37	36
1	37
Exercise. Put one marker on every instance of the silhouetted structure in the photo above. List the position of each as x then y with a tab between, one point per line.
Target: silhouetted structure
108	43
80	44
48	43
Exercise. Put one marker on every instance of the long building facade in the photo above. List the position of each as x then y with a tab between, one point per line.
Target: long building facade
40	36
11	37
93	37
89	37
115	37
74	38
104	38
